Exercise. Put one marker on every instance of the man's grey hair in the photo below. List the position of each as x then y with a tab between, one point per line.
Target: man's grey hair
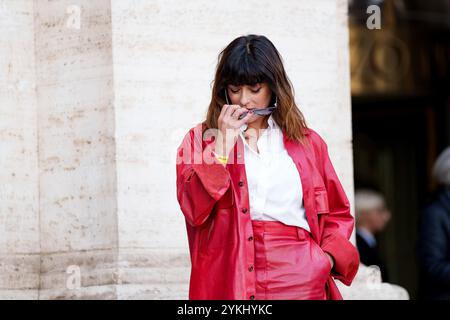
366	200
441	168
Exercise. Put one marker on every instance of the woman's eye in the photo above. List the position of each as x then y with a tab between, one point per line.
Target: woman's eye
234	91
256	91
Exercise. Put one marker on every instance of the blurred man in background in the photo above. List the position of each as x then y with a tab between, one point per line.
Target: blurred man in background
371	218
434	236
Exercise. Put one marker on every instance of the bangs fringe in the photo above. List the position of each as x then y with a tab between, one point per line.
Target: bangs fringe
244	70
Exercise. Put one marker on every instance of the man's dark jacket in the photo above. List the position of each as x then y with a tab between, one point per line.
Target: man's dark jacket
434	248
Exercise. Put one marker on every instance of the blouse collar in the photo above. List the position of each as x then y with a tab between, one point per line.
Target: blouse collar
271	122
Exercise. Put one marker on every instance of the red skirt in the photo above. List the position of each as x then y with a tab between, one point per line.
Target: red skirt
289	264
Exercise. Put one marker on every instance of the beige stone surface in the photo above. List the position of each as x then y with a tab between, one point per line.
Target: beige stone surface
19	174
368	285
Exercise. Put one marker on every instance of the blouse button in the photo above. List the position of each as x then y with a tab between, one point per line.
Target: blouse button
241	183
250	238
252	297
244	210
250	268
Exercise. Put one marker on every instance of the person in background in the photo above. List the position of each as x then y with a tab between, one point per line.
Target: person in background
371	218
434	237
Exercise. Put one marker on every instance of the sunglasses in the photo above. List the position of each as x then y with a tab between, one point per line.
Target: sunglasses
257	111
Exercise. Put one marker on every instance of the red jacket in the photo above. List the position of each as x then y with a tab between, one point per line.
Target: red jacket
215	202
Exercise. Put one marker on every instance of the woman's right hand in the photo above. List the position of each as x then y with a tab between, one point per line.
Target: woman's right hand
229	127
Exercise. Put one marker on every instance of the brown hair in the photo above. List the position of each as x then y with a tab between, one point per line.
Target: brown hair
254	59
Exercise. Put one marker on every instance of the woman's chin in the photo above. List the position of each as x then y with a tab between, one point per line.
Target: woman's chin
252	119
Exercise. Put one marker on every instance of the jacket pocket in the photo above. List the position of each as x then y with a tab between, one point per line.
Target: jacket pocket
321	201
221	230
325	260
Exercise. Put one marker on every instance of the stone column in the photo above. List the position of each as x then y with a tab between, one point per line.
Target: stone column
19	175
77	165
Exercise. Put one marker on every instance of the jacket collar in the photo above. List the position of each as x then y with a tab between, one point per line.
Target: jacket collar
298	152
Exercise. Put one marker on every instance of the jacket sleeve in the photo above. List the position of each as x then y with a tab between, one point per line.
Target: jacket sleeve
433	246
338	224
201	179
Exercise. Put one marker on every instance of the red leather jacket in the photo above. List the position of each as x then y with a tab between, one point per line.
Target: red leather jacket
215	202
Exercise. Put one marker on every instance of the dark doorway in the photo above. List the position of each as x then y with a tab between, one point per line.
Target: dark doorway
391	139
401	117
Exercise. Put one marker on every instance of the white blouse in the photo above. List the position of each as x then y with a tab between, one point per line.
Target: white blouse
275	189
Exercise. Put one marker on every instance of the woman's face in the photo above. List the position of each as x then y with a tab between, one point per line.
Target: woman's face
250	97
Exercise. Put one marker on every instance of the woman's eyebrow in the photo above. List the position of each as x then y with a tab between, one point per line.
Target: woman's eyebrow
256	85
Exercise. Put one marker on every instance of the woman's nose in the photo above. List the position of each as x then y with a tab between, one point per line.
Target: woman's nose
244	99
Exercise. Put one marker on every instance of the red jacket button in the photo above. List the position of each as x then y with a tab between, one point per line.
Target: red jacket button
244	210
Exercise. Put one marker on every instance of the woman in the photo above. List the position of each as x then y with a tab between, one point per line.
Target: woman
266	215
